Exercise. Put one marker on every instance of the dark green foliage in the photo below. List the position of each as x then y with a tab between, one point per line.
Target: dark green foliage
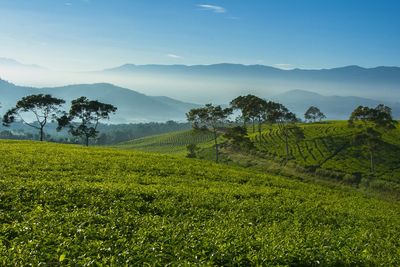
252	109
88	114
313	114
238	139
192	150
43	108
209	117
371	120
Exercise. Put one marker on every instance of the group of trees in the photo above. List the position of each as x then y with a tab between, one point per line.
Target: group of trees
371	122
252	110
82	119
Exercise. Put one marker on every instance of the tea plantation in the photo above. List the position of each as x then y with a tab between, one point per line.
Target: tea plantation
170	143
71	205
327	150
330	146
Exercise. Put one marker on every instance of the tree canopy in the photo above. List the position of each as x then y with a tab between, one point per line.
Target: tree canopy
252	109
84	117
209	117
286	122
314	114
371	120
42	107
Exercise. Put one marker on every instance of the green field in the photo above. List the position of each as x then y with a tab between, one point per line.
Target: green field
170	143
327	150
330	146
71	205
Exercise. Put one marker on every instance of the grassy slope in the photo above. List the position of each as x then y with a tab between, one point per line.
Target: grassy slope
327	146
77	205
330	146
170	143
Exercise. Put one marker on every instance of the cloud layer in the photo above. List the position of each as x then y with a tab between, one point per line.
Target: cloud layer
215	9
173	56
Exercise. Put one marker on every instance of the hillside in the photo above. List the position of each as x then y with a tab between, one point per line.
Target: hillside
70	205
327	151
132	106
329	146
170	143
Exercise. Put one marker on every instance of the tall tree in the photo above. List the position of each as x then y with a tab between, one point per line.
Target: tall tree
252	108
370	121
285	121
313	114
239	103
84	117
43	108
209	117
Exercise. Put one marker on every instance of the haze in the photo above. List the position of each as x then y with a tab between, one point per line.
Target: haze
72	41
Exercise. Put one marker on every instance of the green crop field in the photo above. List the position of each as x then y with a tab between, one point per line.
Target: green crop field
71	205
170	143
327	148
330	146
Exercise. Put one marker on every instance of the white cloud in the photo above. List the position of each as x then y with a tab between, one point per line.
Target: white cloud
173	56
284	66
215	9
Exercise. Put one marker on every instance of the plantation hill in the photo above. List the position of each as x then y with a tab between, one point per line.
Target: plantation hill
327	151
72	205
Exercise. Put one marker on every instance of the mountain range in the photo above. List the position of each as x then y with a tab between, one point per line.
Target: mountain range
336	91
137	107
218	83
132	106
221	81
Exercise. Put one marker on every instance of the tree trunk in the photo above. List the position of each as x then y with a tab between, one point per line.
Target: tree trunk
87	141
371	161
254	129
287	145
216	146
259	128
41	134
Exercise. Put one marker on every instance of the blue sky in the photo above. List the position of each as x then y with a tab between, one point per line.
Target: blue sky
96	34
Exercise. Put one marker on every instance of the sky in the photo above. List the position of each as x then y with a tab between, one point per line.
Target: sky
78	35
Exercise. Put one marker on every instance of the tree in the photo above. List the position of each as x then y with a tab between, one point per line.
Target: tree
237	137
209	117
42	107
84	117
370	121
252	109
286	122
313	114
240	103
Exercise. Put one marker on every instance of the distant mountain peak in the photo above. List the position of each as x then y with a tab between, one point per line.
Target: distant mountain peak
14	63
300	92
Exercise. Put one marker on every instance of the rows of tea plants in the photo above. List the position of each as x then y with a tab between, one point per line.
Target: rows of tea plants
77	206
170	143
330	146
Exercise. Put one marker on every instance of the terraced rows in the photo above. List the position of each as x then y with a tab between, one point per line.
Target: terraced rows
174	143
327	146
321	143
